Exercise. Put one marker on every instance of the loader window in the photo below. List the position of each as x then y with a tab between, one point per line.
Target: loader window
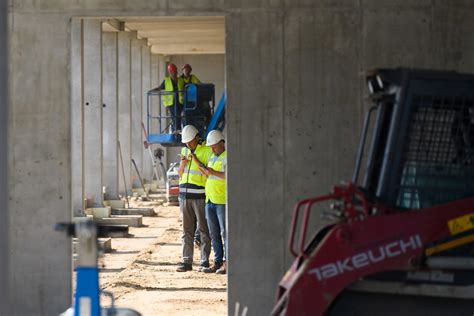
437	162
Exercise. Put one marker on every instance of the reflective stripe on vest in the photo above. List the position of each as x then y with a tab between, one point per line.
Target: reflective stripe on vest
168	98
195	191
191	173
215	186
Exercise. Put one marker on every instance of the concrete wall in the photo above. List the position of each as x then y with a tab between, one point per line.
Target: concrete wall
4	271
295	106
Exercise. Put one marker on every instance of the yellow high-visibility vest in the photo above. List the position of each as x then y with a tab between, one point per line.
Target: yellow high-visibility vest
168	99
215	186
191	173
191	79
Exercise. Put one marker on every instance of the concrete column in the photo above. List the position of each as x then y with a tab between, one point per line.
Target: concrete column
124	110
110	113
156	81
137	111
4	271
146	80
257	99
39	163
92	76
77	119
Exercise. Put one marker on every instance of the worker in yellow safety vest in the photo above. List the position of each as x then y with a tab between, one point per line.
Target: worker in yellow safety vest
192	196
187	76
216	200
172	97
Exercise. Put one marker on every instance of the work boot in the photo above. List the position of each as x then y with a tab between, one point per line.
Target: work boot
204	265
213	268
222	269
183	267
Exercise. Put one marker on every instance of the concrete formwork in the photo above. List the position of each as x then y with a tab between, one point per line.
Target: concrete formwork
296	100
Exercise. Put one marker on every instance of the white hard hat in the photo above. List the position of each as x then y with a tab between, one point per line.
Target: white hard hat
189	132
214	137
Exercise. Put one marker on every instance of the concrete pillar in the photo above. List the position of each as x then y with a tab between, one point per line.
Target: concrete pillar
77	119
154	126
92	76
258	99
110	113
4	271
137	111
124	110
39	163
146	82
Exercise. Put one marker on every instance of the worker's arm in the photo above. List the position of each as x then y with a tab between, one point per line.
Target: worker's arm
210	172
218	174
161	86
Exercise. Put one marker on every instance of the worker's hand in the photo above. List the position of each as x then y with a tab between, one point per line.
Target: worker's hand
184	160
204	170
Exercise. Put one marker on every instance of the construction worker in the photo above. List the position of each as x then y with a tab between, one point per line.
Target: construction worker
216	199
192	197
173	100
187	76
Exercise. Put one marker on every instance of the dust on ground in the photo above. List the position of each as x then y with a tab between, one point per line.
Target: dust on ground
141	271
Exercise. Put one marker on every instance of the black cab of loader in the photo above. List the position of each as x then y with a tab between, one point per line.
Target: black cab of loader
422	147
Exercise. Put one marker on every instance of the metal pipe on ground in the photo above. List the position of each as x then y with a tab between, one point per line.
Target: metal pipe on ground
141	180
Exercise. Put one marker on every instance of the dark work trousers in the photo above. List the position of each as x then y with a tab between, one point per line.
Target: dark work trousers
193	211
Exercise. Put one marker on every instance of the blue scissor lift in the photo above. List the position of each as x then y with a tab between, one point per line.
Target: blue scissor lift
198	109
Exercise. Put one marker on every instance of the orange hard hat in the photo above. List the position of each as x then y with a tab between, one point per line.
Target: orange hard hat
172	69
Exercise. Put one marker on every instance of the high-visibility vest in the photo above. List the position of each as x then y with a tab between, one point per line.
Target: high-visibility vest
191	173
191	79
168	99
215	186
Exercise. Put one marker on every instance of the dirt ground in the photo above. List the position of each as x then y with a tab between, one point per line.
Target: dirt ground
141	271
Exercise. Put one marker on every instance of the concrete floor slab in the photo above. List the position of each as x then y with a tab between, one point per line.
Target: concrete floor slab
130	220
133	211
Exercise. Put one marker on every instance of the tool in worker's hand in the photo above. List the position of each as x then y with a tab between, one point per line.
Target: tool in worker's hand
141	180
123	173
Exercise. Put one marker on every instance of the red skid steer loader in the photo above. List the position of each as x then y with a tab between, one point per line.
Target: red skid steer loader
401	238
